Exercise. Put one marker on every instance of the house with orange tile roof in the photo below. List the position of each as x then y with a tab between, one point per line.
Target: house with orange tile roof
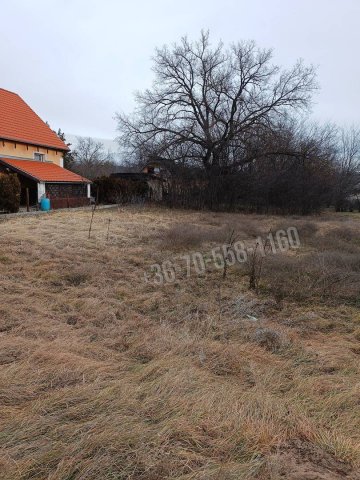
29	148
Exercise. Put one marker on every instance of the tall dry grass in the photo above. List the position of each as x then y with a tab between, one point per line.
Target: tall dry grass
104	376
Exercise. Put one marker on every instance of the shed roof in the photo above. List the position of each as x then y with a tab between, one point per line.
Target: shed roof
43	171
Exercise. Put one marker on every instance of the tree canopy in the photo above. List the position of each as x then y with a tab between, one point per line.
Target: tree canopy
207	101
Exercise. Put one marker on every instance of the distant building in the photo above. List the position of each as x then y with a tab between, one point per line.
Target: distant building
155	183
159	167
29	148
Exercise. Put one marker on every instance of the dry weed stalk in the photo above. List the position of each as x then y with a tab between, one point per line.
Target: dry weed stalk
108	229
229	246
93	211
255	261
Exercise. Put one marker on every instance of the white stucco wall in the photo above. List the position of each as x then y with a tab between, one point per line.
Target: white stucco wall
41	190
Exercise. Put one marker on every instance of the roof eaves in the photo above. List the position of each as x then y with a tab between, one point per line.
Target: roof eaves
26	174
36	144
17	169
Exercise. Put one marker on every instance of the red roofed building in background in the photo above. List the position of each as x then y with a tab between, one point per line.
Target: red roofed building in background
31	149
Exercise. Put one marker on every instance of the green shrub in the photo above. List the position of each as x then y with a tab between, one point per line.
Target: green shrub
10	190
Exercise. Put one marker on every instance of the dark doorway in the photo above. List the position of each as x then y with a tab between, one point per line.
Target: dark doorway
33	190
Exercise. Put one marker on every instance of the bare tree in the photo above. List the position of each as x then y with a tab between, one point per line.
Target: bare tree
347	167
292	170
206	100
91	160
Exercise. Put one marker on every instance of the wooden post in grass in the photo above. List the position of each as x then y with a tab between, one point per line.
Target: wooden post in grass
108	230
93	210
27	200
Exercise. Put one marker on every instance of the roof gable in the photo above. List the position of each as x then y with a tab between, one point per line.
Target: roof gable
18	122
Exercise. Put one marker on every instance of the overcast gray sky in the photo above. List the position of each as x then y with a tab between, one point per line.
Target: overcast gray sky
77	62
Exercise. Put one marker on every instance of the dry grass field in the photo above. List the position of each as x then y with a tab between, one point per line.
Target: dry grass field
105	376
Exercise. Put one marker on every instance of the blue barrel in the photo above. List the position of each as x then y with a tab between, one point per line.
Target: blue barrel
45	204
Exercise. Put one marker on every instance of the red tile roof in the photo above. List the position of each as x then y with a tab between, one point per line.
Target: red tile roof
43	171
18	122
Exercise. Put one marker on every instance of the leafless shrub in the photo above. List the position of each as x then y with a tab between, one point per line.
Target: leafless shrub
76	278
245	226
307	229
252	306
254	263
249	227
343	239
346	239
187	235
227	251
328	275
269	339
346	233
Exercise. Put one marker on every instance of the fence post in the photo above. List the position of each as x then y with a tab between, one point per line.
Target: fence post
27	200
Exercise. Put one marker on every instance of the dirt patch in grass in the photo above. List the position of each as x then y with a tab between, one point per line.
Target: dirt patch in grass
301	460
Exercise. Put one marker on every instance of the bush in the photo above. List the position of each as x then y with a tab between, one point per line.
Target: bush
187	235
120	190
268	339
10	190
332	276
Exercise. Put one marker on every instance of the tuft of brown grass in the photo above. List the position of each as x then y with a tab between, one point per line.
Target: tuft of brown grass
188	235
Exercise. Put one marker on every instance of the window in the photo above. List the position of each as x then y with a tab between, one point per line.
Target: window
40	157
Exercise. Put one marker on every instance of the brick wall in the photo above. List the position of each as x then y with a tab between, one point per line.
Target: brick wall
66	190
